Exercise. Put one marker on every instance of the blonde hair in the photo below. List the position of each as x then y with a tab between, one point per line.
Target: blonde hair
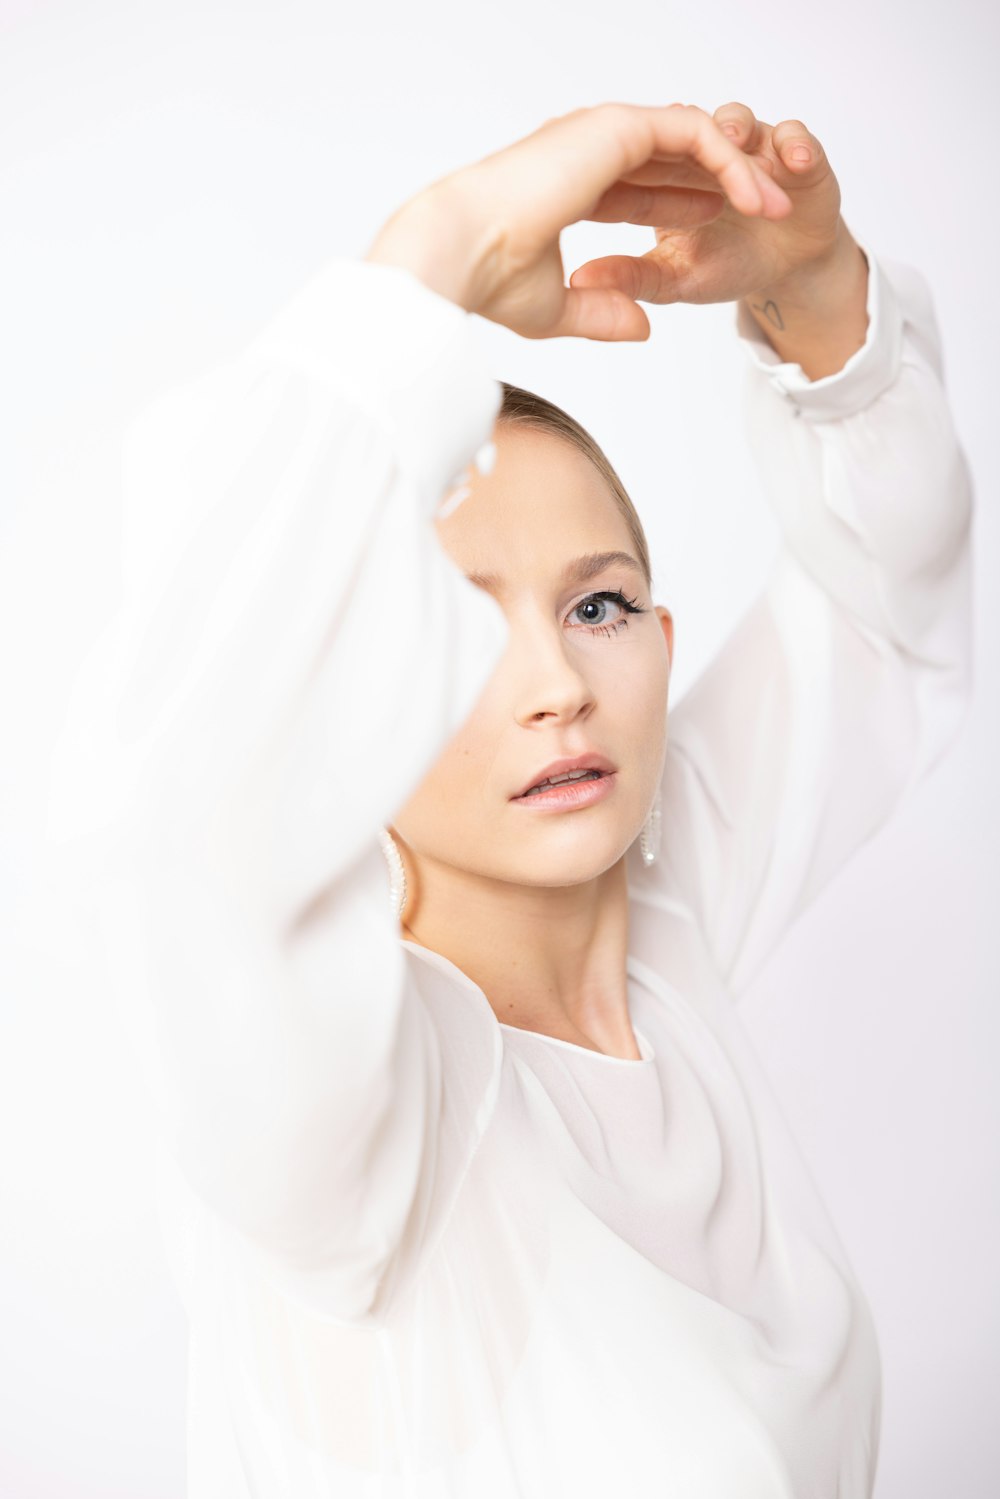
526	409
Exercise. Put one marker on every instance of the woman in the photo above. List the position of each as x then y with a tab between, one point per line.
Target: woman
479	1190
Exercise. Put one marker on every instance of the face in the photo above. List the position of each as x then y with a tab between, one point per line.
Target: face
580	674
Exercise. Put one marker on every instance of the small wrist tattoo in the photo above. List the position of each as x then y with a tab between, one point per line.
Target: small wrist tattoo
770	311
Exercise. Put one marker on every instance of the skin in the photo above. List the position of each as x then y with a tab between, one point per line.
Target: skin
533	906
534	909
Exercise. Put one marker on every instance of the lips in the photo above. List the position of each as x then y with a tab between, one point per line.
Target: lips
558	767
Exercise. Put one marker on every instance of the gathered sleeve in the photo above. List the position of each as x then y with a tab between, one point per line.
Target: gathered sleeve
849	676
293	651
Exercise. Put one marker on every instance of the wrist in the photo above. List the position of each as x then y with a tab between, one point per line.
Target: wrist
431	236
817	317
829	274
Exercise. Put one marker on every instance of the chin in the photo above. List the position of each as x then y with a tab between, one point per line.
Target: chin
571	855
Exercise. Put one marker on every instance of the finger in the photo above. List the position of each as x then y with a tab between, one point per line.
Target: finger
716	152
601	313
798	149
613	140
678	208
703	156
675	172
637	277
739	122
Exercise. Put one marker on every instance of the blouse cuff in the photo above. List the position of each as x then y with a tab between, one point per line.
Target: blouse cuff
868	372
404	354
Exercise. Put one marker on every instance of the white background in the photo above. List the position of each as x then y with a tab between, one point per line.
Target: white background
168	175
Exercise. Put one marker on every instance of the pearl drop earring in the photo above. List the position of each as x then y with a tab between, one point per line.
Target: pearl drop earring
649	838
397	874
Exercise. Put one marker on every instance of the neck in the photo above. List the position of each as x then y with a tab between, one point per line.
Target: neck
547	959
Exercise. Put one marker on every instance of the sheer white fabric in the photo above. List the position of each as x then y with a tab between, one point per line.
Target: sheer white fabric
424	1253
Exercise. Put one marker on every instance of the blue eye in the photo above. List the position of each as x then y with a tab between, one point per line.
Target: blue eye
597	625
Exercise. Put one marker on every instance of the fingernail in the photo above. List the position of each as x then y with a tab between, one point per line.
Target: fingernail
800	153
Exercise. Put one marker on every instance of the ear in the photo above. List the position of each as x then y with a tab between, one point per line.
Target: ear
667	625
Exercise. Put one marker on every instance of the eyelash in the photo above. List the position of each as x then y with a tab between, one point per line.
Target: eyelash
617	597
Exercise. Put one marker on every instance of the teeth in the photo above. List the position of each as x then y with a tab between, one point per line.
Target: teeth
569	775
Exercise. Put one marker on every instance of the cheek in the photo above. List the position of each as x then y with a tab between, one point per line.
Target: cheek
637	700
634	688
448	793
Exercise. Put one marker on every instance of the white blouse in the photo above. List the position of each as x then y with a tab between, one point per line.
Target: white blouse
425	1253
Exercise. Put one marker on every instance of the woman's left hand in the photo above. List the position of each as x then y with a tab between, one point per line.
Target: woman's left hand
728	255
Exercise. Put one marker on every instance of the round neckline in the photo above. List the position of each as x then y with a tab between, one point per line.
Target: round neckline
633	968
645	1046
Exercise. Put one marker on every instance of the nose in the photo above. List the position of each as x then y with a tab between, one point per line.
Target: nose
550	682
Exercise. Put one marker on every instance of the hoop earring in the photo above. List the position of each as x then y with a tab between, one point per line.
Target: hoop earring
649	838
397	874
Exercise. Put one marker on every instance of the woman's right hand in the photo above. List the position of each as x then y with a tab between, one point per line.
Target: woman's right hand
487	235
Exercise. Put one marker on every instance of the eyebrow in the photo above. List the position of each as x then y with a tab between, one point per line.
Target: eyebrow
578	571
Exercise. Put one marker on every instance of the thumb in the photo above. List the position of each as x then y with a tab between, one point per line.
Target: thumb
601	313
644	277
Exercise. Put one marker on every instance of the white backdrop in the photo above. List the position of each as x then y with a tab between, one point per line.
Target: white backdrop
168	175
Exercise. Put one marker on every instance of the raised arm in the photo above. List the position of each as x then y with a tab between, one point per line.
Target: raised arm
293	650
849	677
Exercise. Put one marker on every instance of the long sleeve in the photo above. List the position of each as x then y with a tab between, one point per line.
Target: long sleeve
848	678
294	650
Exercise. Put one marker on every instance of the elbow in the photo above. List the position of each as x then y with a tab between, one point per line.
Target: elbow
907	490
945	502
944	690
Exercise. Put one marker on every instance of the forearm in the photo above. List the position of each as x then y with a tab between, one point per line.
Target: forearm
819	318
432	236
870	486
269	504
